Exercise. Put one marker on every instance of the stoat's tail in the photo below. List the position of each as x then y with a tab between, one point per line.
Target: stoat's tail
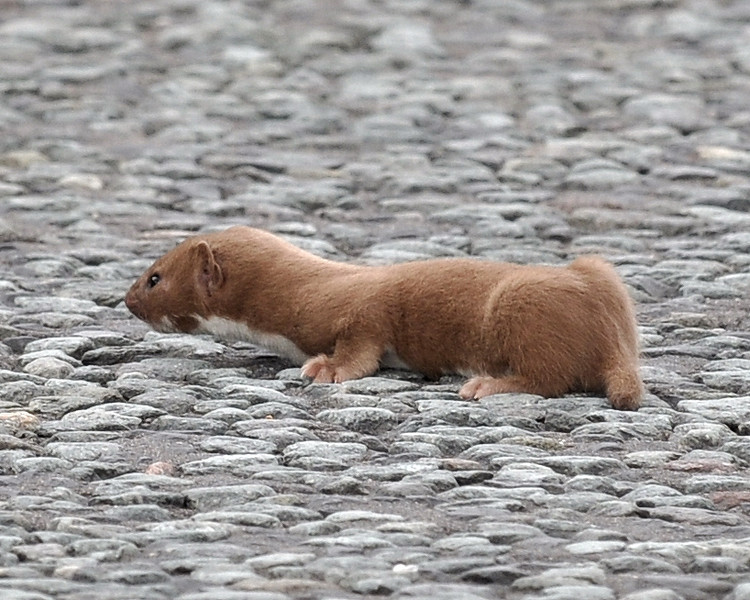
623	386
622	380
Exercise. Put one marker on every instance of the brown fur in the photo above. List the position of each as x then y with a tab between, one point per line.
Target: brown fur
538	329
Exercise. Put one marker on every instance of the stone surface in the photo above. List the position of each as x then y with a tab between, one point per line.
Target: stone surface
143	465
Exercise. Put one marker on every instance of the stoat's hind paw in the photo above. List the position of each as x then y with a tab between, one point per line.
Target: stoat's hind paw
479	387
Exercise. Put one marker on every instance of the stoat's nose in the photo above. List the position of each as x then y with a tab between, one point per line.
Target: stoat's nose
131	301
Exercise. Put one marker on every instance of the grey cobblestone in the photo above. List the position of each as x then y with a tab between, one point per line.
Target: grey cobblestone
141	465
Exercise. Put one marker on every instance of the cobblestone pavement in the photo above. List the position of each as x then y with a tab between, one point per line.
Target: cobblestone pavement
135	465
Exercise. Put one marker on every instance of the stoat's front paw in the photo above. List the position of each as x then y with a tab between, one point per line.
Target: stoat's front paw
322	369
479	387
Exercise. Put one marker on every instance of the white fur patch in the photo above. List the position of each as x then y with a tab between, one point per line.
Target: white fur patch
165	326
232	330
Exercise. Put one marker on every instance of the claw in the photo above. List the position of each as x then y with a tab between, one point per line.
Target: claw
321	370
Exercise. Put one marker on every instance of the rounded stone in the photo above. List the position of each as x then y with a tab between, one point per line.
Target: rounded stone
369	420
49	368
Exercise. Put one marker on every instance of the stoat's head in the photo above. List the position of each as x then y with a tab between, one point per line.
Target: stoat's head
178	288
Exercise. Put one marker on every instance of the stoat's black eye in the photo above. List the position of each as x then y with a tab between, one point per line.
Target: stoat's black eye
153	280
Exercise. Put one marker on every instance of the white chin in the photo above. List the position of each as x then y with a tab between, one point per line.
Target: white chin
165	325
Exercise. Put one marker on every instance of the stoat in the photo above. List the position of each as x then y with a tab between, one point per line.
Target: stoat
543	330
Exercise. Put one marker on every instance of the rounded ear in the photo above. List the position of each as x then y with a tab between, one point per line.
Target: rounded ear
210	275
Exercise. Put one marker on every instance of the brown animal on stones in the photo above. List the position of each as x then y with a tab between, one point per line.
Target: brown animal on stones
543	330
